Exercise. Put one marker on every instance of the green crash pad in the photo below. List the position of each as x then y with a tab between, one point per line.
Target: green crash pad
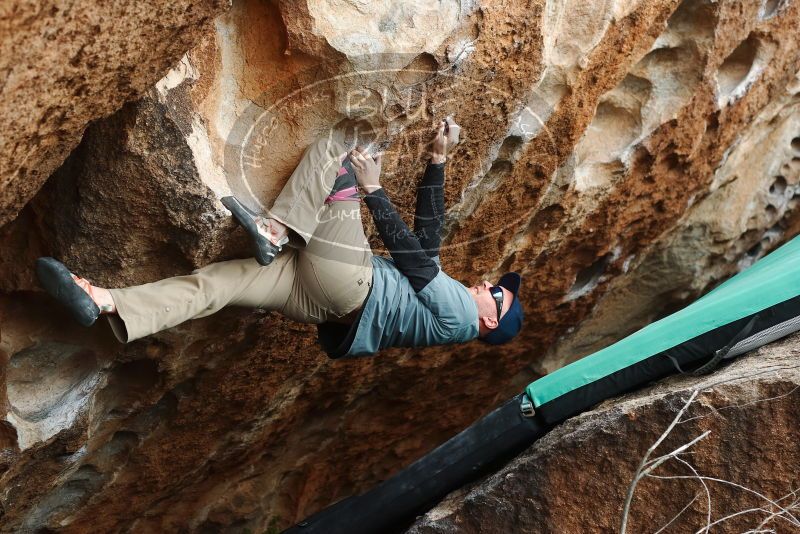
772	280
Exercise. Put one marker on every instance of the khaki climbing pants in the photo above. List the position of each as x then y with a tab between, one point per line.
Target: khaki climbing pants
325	272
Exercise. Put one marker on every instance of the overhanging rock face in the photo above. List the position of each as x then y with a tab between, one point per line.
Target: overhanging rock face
64	64
740	476
623	156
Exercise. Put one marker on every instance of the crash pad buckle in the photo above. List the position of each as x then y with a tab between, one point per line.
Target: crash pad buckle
526	406
720	354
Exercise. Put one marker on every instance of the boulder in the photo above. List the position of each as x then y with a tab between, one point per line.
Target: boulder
625	157
63	65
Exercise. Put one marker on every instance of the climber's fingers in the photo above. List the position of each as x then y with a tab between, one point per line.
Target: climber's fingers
358	159
440	133
364	155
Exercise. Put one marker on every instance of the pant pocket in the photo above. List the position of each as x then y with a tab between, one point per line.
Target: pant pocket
339	288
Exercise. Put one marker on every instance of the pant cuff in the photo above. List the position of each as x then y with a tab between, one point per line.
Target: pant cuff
127	325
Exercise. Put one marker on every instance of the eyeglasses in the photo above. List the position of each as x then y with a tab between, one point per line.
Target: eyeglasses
497	295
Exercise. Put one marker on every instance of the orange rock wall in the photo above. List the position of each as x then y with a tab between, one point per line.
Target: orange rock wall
63	64
624	156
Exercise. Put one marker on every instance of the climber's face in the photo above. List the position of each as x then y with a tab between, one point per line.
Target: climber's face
487	304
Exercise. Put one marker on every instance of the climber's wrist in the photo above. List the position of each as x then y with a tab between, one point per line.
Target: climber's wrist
437	158
371	188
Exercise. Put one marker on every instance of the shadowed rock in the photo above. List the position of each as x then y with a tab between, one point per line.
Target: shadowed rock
63	65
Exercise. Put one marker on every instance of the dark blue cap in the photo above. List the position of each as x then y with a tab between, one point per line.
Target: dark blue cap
511	322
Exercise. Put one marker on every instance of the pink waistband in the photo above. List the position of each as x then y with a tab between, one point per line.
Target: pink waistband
351	193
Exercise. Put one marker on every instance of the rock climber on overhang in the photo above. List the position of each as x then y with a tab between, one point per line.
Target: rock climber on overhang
314	265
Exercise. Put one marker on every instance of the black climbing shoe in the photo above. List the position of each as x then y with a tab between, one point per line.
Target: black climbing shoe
56	279
264	249
346	180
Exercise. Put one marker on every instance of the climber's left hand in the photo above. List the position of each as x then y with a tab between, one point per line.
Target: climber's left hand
367	169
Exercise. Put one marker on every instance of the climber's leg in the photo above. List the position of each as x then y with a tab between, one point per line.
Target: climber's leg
304	195
335	268
149	308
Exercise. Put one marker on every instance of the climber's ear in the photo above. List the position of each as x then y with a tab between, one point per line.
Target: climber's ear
490	322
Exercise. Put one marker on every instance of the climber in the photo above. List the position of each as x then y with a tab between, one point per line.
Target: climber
326	274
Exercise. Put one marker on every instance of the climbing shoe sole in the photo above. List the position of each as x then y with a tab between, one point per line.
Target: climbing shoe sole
56	279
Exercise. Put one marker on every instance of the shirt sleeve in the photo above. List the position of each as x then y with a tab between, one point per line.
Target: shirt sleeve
429	214
407	253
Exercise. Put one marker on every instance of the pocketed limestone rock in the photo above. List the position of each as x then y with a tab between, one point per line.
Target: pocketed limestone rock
625	157
63	65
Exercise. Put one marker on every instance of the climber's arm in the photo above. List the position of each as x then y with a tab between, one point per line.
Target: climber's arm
403	245
429	215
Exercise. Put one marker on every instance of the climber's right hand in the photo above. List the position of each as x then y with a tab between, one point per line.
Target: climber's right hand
446	136
367	169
